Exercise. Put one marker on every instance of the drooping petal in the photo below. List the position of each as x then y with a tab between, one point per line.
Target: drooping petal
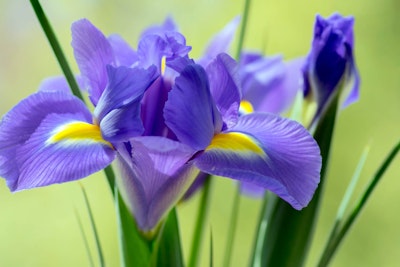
24	130
224	87
118	109
124	54
93	53
268	151
190	111
220	43
59	84
154	176
59	152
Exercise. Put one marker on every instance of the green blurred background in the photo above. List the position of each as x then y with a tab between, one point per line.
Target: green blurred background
40	228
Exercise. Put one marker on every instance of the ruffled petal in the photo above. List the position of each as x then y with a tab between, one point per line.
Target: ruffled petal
168	25
268	151
24	131
190	111
93	53
220	43
154	176
224	87
118	109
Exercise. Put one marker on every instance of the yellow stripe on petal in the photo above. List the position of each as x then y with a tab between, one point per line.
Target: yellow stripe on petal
163	64
245	107
235	141
76	132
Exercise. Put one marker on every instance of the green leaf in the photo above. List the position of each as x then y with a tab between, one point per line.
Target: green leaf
211	250
200	222
287	238
168	249
93	225
85	240
134	249
337	238
232	227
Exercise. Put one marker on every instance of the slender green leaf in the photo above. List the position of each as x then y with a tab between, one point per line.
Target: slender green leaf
134	249
93	225
169	251
336	240
84	237
232	227
211	250
289	232
200	222
349	192
51	37
243	29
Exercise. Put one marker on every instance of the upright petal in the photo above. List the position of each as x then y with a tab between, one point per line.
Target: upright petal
118	109
124	54
48	138
154	176
190	111
225	87
168	25
268	151
93	53
220	43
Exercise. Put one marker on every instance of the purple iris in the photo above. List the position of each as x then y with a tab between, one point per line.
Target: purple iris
260	148
51	137
330	63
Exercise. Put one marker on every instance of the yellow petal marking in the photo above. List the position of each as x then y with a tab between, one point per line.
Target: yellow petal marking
163	65
245	107
235	141
78	131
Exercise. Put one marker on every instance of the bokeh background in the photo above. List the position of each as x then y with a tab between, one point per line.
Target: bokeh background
40	227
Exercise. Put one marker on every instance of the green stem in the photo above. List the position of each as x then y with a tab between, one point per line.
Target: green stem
110	175
336	240
243	29
200	223
232	227
51	37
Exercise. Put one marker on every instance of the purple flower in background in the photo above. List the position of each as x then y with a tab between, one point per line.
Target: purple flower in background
51	137
330	64
260	148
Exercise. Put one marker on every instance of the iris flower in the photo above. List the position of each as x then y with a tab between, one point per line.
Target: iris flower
261	148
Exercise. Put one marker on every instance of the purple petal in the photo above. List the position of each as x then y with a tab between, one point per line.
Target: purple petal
268	151
252	190
224	87
154	177
59	83
151	50
190	112
93	53
124	54
220	43
25	157
273	86
118	109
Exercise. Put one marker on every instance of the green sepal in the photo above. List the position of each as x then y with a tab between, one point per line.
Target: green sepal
134	248
167	250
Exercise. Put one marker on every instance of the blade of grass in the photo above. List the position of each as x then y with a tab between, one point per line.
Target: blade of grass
211	250
232	227
51	37
349	192
337	239
84	237
200	222
243	29
93	225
